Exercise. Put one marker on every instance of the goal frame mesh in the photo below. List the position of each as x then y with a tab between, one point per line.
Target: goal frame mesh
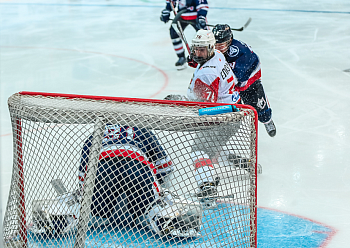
18	166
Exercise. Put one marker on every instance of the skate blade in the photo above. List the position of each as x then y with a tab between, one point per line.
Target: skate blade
181	67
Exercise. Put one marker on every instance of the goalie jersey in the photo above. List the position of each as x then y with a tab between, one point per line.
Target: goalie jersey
132	142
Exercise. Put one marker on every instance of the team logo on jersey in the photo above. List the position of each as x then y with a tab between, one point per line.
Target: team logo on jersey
233	51
261	103
235	97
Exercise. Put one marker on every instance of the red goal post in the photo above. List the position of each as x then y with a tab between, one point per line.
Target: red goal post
33	112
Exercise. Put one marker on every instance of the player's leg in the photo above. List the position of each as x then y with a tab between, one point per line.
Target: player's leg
178	47
255	96
157	209
205	150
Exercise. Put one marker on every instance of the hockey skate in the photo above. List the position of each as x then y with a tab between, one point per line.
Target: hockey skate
270	128
208	194
174	216
238	161
242	163
181	63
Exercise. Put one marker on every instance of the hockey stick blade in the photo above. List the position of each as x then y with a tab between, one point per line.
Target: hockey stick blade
247	23
244	26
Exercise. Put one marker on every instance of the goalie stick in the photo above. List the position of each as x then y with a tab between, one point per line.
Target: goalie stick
233	29
61	191
59	187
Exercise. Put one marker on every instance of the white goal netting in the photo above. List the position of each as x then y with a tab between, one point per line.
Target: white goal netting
117	172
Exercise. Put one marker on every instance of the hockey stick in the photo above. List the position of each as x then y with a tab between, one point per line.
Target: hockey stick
177	25
233	29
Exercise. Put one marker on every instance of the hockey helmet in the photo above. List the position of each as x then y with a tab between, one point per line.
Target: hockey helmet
203	44
223	36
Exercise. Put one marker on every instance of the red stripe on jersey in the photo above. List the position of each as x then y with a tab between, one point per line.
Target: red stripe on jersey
250	81
189	18
203	162
153	168
123	153
156	186
162	166
178	49
230	79
127	154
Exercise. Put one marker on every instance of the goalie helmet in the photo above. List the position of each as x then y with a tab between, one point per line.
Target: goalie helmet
172	215
223	36
203	45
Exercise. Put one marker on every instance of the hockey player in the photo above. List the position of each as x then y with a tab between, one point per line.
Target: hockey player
212	81
131	162
195	15
245	65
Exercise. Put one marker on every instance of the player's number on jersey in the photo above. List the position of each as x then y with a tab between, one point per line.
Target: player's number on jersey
118	132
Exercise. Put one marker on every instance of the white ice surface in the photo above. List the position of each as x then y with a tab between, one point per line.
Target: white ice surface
120	48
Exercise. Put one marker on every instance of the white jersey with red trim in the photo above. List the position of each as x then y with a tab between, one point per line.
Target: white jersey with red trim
214	81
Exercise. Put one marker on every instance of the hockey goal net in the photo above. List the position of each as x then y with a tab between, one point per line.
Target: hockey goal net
47	206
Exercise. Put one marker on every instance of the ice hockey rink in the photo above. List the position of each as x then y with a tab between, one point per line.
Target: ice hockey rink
121	48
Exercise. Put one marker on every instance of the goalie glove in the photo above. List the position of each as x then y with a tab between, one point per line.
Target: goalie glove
172	215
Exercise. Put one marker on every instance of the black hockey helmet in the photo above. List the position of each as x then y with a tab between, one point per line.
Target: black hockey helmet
222	33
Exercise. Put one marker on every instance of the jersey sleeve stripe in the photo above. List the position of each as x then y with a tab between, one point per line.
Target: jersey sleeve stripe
249	82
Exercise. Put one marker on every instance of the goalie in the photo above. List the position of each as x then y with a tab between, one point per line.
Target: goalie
132	168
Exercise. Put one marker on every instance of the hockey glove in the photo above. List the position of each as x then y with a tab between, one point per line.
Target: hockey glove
165	15
201	23
191	62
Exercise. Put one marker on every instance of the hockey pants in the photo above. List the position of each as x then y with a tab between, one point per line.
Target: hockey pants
255	96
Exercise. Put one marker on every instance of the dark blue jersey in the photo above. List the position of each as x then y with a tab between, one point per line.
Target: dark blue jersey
244	63
125	141
194	8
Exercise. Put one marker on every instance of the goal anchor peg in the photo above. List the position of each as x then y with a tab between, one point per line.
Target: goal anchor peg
218	110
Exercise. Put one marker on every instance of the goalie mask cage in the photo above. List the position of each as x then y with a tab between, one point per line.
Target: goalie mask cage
49	131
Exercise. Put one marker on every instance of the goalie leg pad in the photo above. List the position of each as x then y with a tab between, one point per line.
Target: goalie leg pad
172	215
55	216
